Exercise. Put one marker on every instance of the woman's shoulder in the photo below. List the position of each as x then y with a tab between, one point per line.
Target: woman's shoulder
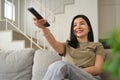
96	43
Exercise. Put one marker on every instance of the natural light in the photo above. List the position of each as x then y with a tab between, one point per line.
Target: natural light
9	11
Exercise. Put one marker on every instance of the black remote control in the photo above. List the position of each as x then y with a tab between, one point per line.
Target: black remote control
36	14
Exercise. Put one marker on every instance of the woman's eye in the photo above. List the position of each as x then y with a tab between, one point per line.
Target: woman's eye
74	25
82	24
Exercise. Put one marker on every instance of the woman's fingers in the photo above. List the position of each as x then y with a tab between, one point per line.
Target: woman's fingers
42	21
39	22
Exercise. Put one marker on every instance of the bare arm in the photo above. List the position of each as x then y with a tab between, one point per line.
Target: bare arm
97	68
58	46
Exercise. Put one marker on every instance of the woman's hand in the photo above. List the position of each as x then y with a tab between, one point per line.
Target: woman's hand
39	22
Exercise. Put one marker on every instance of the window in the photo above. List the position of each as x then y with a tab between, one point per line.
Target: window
9	11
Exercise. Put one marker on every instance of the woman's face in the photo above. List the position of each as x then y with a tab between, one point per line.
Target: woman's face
80	28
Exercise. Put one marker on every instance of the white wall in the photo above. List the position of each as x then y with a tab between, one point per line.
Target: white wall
61	29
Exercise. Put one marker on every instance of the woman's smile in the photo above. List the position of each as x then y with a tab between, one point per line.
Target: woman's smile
79	31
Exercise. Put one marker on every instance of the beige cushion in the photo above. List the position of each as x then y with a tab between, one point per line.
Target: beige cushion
42	59
16	64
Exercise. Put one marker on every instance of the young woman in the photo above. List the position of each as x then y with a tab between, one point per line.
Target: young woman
83	58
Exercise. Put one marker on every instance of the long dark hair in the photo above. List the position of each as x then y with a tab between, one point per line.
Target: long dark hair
73	42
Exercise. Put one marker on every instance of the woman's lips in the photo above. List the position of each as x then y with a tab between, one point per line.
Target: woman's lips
79	31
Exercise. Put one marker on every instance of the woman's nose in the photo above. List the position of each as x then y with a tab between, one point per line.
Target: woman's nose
79	26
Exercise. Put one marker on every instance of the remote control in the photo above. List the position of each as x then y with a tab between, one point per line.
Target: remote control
36	14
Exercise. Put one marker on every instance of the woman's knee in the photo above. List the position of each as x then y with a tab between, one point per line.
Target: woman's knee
58	65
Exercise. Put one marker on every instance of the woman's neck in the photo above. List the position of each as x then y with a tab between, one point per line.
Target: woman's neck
82	40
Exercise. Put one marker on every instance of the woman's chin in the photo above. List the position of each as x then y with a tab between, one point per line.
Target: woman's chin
79	36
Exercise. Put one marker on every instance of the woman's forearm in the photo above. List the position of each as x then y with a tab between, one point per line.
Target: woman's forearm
93	70
58	46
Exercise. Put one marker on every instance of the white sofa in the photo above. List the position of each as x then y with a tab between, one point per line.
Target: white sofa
26	64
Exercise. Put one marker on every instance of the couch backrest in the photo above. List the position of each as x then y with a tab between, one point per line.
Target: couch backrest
42	59
16	64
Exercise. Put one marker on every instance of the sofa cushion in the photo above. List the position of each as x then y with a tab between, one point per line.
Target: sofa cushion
16	64
42	59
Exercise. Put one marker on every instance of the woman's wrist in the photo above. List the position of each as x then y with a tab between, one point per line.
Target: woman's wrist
45	32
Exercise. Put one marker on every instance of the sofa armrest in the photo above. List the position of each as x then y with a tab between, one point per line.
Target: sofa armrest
106	75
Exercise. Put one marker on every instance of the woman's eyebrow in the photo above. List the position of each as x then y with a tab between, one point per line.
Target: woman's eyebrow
82	21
